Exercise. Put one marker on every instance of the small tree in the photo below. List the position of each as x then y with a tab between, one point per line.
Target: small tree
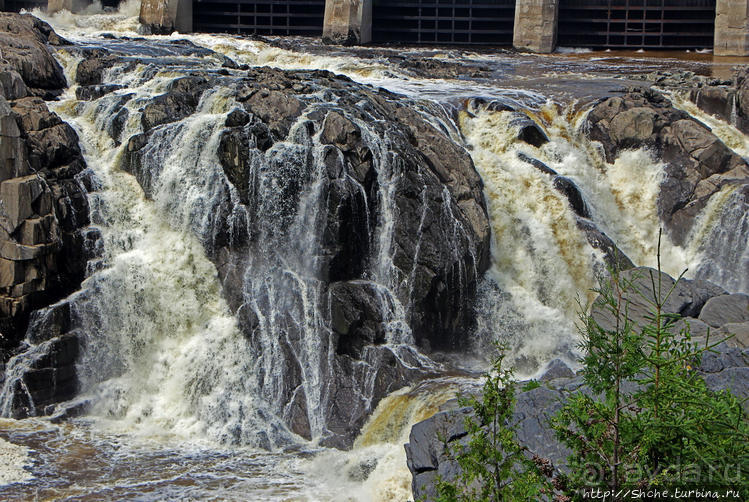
649	420
494	466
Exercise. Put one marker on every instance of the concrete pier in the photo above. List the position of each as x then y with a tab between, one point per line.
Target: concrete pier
536	25
347	22
732	28
162	17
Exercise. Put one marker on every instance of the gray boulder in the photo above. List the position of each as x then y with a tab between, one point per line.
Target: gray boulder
725	309
431	441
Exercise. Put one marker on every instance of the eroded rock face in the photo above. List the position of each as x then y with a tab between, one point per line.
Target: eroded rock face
726	100
341	213
43	243
23	39
698	164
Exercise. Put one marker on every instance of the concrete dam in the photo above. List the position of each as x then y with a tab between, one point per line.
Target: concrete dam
535	25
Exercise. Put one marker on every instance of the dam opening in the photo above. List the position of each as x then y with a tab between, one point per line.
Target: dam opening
595	24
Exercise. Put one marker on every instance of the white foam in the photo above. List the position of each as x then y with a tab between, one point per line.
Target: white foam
14	460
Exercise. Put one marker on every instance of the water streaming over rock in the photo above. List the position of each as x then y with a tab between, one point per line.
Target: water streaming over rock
213	309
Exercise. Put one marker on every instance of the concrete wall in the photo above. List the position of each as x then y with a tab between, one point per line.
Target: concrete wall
347	22
732	28
166	16
536	25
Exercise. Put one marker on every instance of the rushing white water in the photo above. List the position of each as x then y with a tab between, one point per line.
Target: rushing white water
732	137
161	349
720	236
13	459
539	257
542	264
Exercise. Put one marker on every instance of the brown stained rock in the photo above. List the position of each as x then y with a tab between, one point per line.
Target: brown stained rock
728	102
698	164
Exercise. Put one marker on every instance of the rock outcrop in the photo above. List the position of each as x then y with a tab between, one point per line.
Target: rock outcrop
727	367
339	205
728	101
698	164
43	205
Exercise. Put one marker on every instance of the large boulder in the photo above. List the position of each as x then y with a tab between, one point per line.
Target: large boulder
697	164
343	206
24	40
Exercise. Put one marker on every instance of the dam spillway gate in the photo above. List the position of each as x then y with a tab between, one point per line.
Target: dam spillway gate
598	24
259	17
637	24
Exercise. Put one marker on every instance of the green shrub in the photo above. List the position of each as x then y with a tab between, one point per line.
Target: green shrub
530	385
494	466
650	421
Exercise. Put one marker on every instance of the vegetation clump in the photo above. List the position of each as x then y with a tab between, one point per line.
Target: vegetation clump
645	421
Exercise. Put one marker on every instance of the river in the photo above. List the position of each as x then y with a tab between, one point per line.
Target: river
177	414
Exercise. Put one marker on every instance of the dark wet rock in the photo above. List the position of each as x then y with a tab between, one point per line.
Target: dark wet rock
613	256
537	164
49	379
570	190
358	312
698	164
91	70
725	309
180	100
94	92
528	131
564	185
44	246
304	158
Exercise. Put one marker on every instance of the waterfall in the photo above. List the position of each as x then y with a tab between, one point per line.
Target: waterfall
543	268
724	243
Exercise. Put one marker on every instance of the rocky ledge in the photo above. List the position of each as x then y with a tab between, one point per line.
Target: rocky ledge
43	204
335	204
727	99
703	306
698	164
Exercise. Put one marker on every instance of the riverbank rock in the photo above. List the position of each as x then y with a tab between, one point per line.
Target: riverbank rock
23	39
726	367
44	210
728	101
697	164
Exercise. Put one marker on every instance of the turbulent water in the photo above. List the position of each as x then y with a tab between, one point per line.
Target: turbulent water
180	411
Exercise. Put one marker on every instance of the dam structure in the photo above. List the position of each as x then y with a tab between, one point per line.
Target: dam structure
532	25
